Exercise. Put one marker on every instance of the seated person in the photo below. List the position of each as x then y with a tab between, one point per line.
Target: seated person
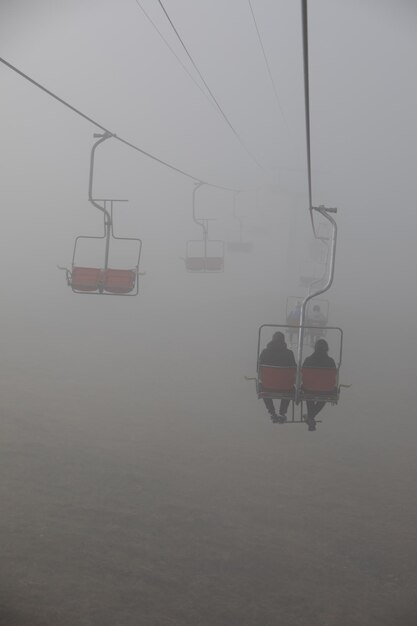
276	353
319	358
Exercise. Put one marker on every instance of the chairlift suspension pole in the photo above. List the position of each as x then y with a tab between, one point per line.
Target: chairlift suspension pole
108	228
320	280
325	213
107	216
102	137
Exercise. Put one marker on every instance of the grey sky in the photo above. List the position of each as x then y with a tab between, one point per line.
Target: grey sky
106	59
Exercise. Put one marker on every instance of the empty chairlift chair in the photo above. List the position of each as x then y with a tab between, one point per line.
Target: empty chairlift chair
203	255
104	278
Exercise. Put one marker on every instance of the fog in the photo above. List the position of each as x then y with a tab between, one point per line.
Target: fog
142	481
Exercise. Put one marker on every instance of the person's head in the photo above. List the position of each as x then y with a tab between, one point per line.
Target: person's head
316	307
278	338
321	346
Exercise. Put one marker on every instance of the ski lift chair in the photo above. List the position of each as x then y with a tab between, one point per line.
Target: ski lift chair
103	278
317	384
203	255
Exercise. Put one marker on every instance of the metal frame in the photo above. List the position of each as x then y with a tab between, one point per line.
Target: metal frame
311	281
203	224
108	231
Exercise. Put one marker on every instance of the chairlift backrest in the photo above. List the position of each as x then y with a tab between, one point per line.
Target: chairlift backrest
277	378
119	281
319	379
214	264
195	264
85	278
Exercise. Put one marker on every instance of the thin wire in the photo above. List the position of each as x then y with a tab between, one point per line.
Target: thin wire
267	63
174	53
106	130
228	122
304	22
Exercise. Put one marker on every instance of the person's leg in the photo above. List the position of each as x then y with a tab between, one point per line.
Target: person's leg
311	422
269	403
310	409
317	408
283	407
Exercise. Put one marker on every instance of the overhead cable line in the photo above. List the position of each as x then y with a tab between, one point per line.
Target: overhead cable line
304	23
106	130
223	114
184	67
274	87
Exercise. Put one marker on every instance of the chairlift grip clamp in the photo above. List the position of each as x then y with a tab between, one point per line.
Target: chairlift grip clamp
324	208
106	135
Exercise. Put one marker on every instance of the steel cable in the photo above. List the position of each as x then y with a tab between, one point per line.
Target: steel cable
106	130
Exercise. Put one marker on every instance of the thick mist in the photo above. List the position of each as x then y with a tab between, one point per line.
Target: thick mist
142	480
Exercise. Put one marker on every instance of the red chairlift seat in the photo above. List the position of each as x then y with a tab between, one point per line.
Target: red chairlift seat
195	263
118	281
86	278
214	264
320	383
276	382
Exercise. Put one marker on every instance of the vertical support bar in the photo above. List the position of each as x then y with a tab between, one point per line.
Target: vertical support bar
107	216
107	229
205	231
196	220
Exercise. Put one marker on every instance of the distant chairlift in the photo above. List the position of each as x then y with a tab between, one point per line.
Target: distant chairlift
292	317
105	279
203	255
313	272
239	245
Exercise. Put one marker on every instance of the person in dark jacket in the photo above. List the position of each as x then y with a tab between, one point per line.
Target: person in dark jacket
319	358
276	353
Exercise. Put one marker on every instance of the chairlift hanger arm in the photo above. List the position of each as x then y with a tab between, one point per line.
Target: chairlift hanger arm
199	222
101	137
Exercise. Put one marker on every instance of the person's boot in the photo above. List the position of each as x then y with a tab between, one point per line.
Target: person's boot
311	423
